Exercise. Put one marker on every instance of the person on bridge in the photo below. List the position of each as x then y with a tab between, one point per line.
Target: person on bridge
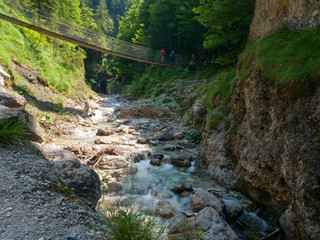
173	57
193	59
162	53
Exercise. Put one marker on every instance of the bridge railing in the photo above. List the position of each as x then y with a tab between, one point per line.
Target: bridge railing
24	12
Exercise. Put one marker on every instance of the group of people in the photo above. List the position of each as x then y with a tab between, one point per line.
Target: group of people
173	57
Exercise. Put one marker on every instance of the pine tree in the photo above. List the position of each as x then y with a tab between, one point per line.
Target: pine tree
103	20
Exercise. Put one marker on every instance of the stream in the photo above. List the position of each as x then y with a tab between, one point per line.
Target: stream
130	179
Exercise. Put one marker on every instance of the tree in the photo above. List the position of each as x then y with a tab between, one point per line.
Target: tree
103	20
45	5
228	23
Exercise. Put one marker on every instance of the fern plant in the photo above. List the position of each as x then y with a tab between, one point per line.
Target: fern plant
13	130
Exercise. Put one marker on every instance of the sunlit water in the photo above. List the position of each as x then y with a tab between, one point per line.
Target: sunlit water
143	190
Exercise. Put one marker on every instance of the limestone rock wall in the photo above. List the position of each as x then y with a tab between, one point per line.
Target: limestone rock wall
273	154
269	15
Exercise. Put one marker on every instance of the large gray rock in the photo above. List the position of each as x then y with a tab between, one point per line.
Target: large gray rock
207	220
11	100
144	111
165	209
233	208
202	199
84	182
255	223
37	132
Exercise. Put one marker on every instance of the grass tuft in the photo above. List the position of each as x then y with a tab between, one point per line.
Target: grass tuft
119	225
13	131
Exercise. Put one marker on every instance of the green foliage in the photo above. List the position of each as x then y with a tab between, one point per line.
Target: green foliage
103	20
60	72
228	23
13	130
154	81
166	100
194	135
288	58
220	89
45	5
214	120
120	225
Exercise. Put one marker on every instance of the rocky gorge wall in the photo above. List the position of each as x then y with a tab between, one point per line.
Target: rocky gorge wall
269	15
271	154
271	151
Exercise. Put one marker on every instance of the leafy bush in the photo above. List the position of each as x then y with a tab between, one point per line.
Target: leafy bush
13	130
194	135
152	82
120	225
288	58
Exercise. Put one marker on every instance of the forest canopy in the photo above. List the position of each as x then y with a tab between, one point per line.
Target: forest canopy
214	30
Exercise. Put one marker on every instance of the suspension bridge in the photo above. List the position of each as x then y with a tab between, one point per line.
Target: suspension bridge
25	15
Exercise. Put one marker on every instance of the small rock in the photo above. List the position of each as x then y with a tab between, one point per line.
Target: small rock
166	136
156	162
115	186
179	135
104	132
169	147
182	187
141	140
115	174
124	129
184	194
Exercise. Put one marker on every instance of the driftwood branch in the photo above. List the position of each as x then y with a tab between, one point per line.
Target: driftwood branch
270	234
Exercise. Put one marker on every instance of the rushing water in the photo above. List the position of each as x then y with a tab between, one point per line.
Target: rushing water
150	184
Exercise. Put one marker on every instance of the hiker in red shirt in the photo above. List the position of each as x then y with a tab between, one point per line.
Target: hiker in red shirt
193	59
162	53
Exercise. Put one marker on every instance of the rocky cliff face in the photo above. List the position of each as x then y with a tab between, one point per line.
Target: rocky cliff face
271	152
269	15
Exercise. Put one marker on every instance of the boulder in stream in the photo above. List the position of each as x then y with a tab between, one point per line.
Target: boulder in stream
233	208
202	199
255	223
155	162
166	136
165	209
104	132
180	161
143	111
209	222
182	187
